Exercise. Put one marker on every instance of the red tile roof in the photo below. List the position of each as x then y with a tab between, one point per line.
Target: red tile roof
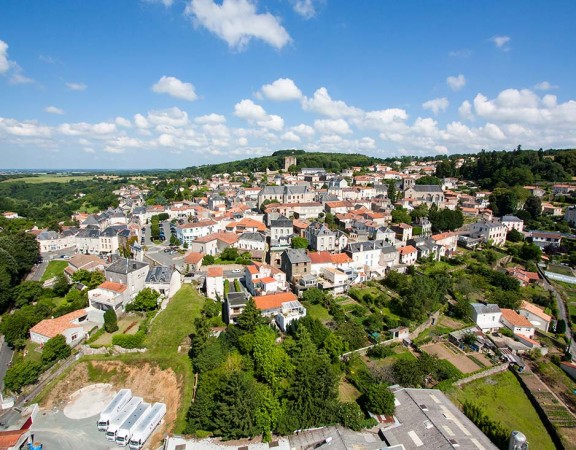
406	250
515	319
273	301
320	257
113	286
193	258
229	238
54	327
8	439
215	271
340	258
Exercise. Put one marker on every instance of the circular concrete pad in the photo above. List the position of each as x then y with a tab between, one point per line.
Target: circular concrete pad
89	401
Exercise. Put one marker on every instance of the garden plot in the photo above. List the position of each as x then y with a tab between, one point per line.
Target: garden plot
458	359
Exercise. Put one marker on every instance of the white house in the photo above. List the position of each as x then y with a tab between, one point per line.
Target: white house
70	325
129	272
109	295
486	317
164	280
51	241
535	315
290	312
215	283
188	232
516	323
493	232
408	255
513	223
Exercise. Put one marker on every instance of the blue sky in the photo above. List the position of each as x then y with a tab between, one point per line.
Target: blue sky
172	83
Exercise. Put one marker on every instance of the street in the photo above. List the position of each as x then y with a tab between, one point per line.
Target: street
6	354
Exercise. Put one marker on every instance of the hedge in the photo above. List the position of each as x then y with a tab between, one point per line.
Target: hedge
129	340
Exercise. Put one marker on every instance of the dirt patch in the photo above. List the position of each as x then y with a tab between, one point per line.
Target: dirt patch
145	380
459	360
450	323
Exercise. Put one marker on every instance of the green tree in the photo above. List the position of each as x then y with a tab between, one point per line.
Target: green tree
61	286
270	360
55	349
229	254
351	416
299	242
28	292
22	374
208	260
378	399
514	236
392	191
530	252
533	206
110	321
146	300
352	333
314	296
250	318
400	215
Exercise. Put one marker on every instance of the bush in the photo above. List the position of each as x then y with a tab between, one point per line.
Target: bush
55	349
22	374
380	351
129	340
110	321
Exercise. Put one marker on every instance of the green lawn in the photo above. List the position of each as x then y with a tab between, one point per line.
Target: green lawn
49	178
54	268
126	325
317	312
502	399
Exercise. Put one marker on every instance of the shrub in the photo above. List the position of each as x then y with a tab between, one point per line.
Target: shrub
380	351
129	340
55	349
22	374
110	321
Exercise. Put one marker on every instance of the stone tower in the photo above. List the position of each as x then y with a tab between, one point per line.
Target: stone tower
289	161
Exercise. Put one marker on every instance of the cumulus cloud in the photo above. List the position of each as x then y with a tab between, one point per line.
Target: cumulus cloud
303	130
456	83
545	86
501	42
465	110
283	89
4	61
53	110
329	126
210	118
166	3
11	68
322	103
76	86
436	105
253	113
305	8
175	88
122	122
237	22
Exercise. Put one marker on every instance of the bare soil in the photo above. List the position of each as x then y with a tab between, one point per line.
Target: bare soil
460	360
145	380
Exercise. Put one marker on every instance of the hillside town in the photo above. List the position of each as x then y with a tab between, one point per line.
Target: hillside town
365	252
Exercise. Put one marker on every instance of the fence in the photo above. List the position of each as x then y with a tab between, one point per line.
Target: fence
492	371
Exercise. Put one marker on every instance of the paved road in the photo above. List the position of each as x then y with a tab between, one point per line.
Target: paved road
561	311
38	271
6	354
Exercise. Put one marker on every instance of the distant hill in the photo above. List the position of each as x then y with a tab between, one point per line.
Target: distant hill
334	162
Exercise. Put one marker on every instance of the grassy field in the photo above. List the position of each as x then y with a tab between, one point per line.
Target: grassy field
126	325
317	312
502	399
49	178
54	268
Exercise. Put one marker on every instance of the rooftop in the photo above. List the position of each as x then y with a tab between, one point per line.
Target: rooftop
54	327
274	301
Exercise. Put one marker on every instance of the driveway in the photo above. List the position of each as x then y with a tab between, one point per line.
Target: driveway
5	358
56	431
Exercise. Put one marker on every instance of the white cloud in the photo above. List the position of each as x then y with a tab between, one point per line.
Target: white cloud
456	83
172	117
290	136
166	3
237	22
4	61
441	149
501	42
76	86
545	86
305	8
253	113
53	110
175	88
436	105
385	119
283	89
465	110
96	130
141	121
461	53
122	122
89	150
328	126
210	118
322	103
303	130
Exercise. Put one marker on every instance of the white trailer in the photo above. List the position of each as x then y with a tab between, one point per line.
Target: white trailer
126	412
147	426
125	431
113	408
